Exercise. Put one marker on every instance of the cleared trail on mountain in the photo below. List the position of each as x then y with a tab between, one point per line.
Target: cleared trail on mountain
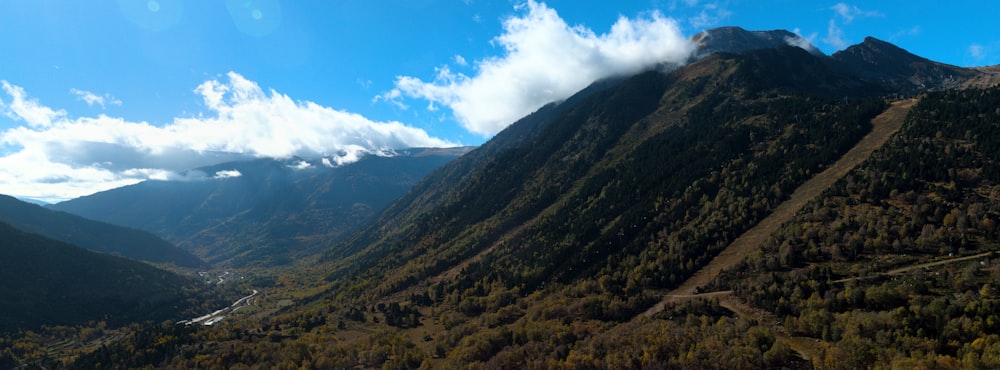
884	126
924	265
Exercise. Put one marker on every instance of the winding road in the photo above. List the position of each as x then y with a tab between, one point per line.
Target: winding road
220	314
884	126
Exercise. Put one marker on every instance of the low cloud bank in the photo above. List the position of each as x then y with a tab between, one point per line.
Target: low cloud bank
53	156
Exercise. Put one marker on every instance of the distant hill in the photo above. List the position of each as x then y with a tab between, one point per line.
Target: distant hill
33	201
274	211
93	235
49	282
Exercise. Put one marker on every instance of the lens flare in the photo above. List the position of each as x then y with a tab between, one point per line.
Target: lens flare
257	18
154	15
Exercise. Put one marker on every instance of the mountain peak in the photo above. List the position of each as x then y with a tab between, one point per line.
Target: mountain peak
733	39
885	52
892	65
870	40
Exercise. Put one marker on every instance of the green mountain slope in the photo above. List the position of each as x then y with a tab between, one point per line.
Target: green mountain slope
542	248
93	235
884	251
624	164
48	282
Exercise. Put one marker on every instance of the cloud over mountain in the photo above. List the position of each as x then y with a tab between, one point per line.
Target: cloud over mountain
544	59
846	13
54	156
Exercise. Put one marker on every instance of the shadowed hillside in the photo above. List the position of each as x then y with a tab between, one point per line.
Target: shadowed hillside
273	212
48	282
93	235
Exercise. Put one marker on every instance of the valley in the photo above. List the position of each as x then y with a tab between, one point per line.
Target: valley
220	314
763	206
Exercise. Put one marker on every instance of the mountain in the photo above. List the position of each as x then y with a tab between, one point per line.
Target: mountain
913	226
738	40
620	193
988	77
895	70
49	282
559	243
899	70
632	158
33	201
93	235
269	211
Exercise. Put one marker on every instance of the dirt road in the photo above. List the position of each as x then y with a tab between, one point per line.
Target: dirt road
909	268
884	126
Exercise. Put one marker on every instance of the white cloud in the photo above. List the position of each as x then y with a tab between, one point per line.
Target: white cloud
849	12
804	42
912	31
22	108
983	53
55	156
835	36
92	98
227	174
88	97
300	165
673	4
711	14
544	60
976	51
460	60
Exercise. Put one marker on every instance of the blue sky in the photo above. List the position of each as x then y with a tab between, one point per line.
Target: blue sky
101	94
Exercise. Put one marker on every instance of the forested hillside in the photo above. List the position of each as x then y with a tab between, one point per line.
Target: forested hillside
551	246
48	282
93	235
626	169
856	270
557	241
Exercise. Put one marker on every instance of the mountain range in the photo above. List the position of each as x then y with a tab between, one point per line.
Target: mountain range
605	231
708	111
50	282
93	235
272	212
